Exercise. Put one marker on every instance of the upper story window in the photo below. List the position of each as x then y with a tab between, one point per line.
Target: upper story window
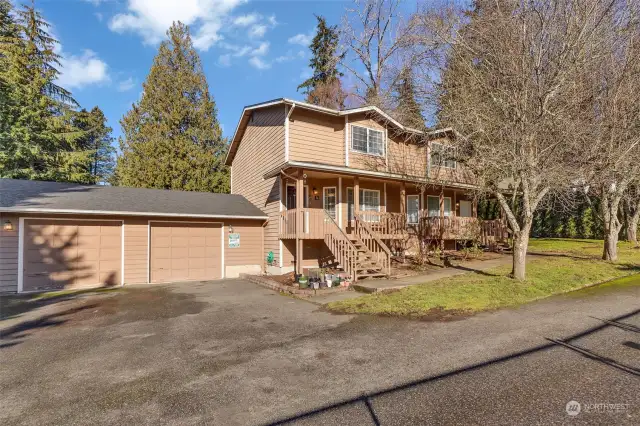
443	156
367	141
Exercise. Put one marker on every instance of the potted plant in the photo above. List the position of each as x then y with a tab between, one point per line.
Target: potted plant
329	279
303	281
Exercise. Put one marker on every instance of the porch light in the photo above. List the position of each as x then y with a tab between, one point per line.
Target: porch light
230	229
315	191
7	225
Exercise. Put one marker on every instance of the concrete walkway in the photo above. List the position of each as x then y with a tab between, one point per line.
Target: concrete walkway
375	286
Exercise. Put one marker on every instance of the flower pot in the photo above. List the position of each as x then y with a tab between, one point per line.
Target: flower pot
304	282
316	285
329	283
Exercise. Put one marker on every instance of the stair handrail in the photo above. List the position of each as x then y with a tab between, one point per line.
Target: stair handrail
353	251
361	224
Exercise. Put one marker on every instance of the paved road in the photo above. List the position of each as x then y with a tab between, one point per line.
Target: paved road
233	353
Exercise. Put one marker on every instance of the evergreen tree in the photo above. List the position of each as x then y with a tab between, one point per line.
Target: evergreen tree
172	138
408	111
98	142
37	137
324	87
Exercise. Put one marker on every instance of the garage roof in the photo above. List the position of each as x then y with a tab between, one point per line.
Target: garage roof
29	196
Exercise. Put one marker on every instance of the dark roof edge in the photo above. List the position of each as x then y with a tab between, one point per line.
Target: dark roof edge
123	213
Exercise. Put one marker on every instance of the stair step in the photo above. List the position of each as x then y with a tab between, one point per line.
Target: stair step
372	275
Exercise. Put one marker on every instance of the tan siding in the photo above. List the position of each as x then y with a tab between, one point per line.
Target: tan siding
316	137
135	249
9	255
260	150
250	250
136	238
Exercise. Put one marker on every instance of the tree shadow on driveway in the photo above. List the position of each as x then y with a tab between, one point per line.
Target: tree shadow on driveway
364	402
16	334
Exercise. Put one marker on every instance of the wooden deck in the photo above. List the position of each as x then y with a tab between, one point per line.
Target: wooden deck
393	226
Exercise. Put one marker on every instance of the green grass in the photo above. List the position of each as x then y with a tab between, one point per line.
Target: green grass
568	265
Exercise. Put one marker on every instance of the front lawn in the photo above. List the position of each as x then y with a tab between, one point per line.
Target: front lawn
562	266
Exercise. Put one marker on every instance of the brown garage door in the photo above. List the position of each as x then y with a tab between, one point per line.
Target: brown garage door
185	251
71	254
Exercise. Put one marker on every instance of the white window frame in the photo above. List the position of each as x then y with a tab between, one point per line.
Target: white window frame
350	189
370	190
470	207
324	195
417	197
443	164
368	129
438	198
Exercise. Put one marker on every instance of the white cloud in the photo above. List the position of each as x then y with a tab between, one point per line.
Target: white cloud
258	63
126	85
301	39
94	2
246	20
261	50
257	31
272	20
285	58
79	71
151	18
98	16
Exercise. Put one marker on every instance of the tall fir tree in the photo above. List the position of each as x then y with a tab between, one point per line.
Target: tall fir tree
408	110
324	87
98	143
37	137
171	137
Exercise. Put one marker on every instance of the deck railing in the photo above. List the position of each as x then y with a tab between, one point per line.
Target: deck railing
371	240
344	251
387	226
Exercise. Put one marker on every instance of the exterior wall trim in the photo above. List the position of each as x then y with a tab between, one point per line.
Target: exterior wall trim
21	244
361	172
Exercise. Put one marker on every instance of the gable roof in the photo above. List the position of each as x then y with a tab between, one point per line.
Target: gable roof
29	196
246	113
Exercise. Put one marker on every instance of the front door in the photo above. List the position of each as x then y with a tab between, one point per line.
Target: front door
291	197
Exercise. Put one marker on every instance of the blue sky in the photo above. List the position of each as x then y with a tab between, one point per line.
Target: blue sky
251	51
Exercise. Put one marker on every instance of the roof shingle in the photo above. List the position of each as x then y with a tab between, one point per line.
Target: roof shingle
56	197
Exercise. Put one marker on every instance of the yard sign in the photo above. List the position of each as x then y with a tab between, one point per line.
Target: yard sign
234	240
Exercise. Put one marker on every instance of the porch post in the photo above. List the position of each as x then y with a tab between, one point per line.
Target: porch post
339	207
299	220
403	199
455	203
442	225
385	198
356	195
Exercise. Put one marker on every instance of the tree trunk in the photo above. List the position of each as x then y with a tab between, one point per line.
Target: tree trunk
520	246
610	243
632	228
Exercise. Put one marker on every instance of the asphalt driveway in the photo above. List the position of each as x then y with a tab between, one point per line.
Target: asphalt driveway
230	352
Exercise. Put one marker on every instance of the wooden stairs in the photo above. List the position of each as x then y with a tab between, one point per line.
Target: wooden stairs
366	264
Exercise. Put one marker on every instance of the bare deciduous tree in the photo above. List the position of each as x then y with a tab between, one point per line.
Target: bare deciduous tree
374	36
632	207
610	123
508	90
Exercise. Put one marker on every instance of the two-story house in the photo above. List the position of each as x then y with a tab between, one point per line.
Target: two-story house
366	181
